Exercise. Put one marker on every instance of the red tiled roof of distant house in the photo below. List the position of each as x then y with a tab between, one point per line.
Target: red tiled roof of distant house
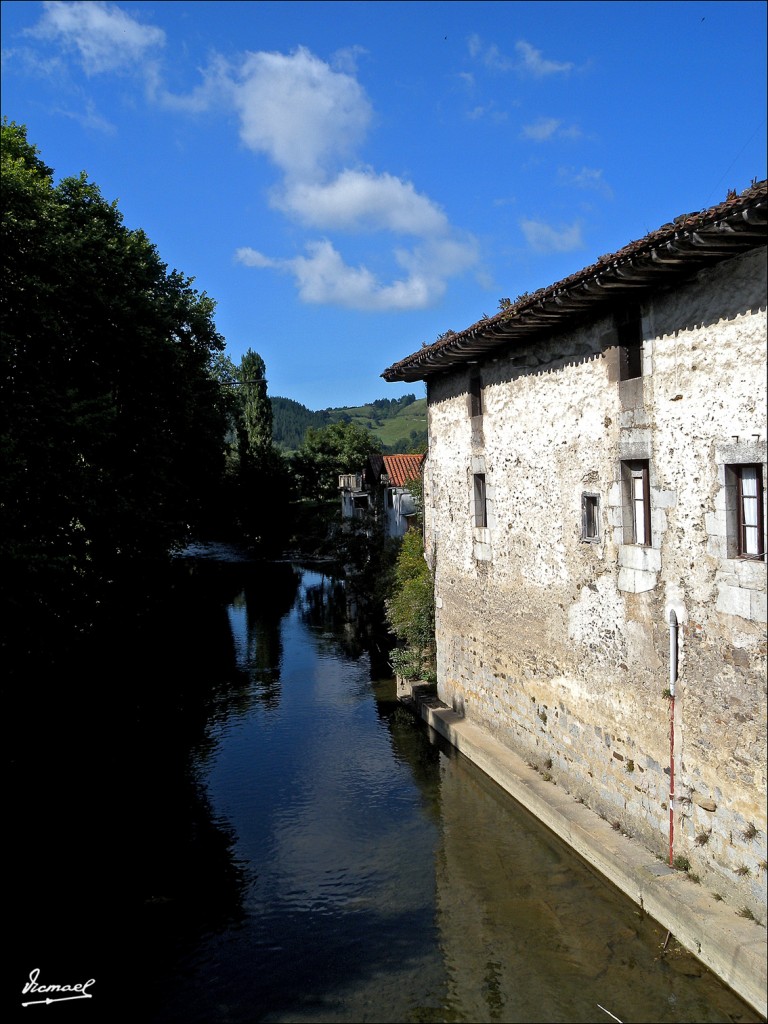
401	469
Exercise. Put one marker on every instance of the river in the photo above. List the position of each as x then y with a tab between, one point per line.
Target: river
256	830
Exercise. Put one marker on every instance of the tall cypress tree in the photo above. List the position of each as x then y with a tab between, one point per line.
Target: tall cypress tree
256	434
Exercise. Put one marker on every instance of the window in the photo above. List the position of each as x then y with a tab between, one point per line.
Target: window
359	506
481	512
390	498
637	502
590	517
475	397
745	511
629	330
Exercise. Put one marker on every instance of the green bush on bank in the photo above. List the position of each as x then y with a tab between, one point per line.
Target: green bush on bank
411	612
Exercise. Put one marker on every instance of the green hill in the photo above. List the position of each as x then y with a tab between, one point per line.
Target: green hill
399	424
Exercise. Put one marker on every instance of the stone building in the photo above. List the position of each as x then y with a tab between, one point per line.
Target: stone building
594	501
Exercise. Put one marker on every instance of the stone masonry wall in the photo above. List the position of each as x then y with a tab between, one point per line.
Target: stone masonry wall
560	646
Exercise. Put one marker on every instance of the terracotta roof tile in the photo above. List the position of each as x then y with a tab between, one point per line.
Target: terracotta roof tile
401	469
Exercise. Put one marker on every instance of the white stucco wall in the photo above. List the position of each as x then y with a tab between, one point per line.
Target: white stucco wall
560	646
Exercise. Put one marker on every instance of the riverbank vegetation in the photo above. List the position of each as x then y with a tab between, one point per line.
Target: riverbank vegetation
410	610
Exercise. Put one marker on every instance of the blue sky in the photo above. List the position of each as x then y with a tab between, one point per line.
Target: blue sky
350	180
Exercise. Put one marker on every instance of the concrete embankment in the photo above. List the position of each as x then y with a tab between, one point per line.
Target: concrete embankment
733	948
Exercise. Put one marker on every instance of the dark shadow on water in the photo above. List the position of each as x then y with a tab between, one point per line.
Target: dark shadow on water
115	853
302	962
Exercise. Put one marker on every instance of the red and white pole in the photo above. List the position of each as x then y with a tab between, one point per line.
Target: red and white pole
672	681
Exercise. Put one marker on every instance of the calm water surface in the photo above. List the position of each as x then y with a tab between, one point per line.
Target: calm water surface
304	850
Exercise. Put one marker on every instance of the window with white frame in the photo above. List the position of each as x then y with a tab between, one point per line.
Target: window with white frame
744	511
636	488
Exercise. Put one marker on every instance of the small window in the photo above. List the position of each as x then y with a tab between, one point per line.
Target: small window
590	517
481	512
475	397
744	511
390	498
629	330
637	502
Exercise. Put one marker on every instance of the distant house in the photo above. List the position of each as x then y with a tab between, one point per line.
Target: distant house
382	486
595	515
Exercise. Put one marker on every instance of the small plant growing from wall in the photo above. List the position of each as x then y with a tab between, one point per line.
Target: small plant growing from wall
749	833
681	863
702	838
742	870
747	914
629	766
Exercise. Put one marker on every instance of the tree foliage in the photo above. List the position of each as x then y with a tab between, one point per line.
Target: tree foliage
256	439
326	453
258	485
112	423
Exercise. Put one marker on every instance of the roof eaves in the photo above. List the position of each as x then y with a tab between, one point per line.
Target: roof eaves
677	248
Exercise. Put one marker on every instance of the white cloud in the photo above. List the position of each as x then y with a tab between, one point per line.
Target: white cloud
544	238
488	111
549	128
104	36
90	119
309	118
439	258
346	59
251	258
586	178
530	61
323	278
541	130
216	88
299	111
358	200
490	56
535	64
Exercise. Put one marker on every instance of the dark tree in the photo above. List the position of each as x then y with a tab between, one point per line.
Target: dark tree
112	425
256	439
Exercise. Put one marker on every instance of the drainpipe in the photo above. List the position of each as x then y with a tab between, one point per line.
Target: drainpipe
672	681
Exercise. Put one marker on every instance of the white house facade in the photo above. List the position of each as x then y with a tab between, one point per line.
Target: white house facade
384	487
595	503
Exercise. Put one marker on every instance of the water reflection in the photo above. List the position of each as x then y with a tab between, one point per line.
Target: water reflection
268	836
382	878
